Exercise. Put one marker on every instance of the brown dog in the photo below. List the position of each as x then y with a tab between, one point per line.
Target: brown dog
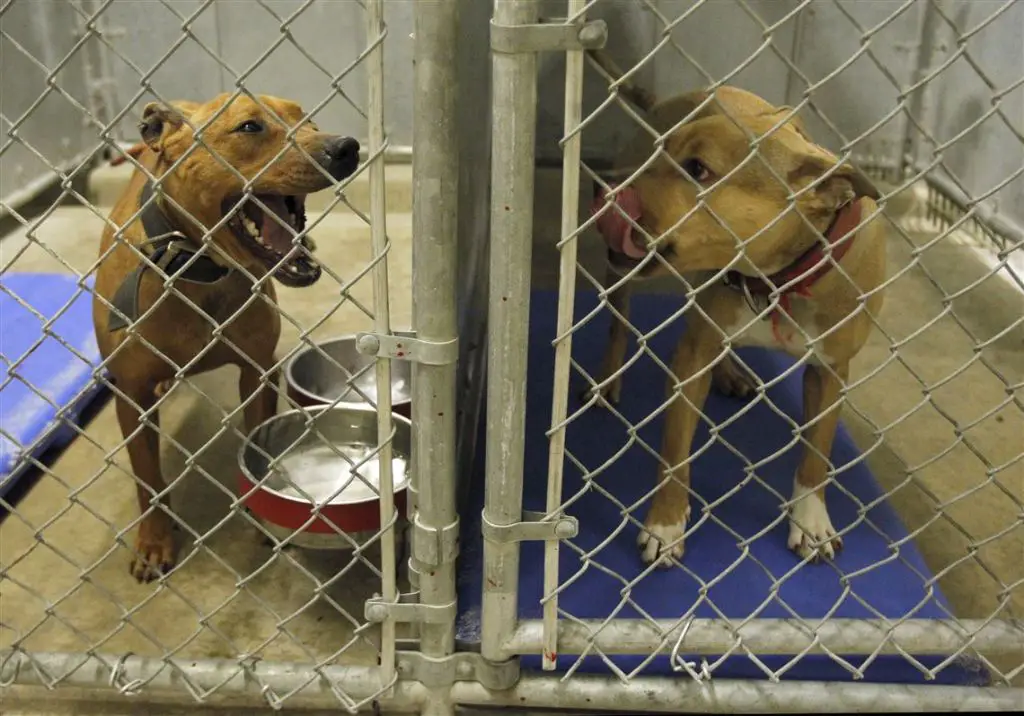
221	244
822	251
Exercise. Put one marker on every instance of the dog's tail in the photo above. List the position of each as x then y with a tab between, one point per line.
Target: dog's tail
639	96
133	152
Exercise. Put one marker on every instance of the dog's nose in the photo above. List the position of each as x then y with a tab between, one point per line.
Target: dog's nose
342	156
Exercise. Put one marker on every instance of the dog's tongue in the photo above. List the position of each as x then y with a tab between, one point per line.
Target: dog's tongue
616	230
274	232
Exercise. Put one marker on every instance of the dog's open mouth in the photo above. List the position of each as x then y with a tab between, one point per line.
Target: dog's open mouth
628	246
272	238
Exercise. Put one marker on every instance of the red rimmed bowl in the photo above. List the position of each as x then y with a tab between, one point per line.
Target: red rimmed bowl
316	452
335	370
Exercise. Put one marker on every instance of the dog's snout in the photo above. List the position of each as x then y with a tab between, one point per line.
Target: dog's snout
342	155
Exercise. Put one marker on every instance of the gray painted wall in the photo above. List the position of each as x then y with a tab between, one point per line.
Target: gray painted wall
54	133
990	152
792	56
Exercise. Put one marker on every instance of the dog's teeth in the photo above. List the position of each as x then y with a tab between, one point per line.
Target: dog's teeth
251	227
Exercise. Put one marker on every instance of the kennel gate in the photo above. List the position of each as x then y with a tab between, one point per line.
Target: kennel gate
905	144
207	659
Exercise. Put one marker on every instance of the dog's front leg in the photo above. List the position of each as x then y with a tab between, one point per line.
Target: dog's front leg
154	540
259	382
615	352
665	525
811	533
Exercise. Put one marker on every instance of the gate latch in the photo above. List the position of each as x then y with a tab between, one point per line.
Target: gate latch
553	37
408	610
405	346
532	528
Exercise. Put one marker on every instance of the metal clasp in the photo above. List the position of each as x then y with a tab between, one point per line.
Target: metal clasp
554	37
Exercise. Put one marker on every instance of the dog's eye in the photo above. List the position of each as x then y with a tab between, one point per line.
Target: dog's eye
696	169
249	127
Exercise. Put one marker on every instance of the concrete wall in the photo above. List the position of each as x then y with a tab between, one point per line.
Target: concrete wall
852	59
991	148
36	37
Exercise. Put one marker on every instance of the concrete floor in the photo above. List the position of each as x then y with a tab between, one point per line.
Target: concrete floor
968	524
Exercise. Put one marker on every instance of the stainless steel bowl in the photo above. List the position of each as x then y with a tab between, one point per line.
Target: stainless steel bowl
313	471
314	378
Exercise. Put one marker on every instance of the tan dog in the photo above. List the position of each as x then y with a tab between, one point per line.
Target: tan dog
216	314
822	313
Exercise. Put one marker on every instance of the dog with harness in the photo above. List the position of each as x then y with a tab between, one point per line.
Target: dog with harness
184	279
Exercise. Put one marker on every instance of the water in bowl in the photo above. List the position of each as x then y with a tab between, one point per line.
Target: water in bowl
319	472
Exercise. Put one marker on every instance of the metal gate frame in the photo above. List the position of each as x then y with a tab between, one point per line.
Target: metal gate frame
402	680
516	38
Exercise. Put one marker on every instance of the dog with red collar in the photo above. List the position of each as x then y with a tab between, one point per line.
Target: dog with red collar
780	242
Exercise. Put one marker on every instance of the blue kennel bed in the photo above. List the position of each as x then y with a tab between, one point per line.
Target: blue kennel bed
884	585
45	383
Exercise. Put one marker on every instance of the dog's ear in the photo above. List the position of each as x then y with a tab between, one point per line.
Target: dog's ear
843	184
158	120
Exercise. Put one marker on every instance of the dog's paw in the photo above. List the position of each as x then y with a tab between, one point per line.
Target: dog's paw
730	380
154	548
662	542
811	534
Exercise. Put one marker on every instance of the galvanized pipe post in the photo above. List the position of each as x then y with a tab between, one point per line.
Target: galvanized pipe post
514	102
375	33
434	264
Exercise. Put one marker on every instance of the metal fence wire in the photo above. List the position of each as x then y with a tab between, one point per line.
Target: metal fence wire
239	605
678	190
671	211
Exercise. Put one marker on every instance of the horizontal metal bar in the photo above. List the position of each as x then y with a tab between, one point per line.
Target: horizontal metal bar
984	214
532	528
405	347
776	636
551	37
660	695
189	679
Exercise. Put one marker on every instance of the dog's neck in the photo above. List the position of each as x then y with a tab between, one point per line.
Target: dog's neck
812	263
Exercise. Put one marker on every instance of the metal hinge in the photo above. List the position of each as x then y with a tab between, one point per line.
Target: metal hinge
408	610
533	528
403	345
464	666
554	37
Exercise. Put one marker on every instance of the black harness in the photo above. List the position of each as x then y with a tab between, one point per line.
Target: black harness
169	250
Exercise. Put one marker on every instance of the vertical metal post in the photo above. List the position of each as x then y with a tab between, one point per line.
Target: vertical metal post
435	212
563	345
514	92
375	33
929	39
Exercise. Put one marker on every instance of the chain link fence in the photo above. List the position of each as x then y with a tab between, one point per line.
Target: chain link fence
647	570
239	136
704	561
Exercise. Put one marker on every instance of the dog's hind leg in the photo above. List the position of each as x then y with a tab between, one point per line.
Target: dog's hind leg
154	541
811	533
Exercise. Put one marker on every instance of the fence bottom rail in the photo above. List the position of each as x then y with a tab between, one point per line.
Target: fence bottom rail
213	681
662	695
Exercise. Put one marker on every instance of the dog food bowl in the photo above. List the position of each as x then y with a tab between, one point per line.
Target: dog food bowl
315	379
313	472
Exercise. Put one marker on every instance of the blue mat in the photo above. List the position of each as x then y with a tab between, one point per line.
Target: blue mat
44	385
890	582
